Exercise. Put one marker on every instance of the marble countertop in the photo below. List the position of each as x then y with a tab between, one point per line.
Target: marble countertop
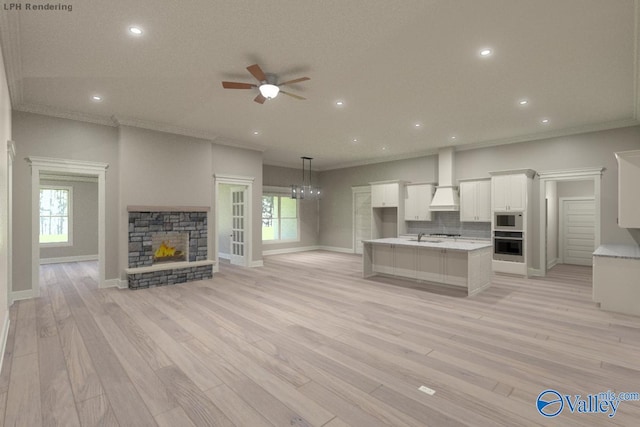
618	251
459	244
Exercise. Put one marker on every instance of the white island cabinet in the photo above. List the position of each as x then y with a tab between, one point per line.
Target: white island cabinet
616	283
453	263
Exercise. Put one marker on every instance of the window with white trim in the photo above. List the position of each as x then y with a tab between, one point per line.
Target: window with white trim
279	218
55	215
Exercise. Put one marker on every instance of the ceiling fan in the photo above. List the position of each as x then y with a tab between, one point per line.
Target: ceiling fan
268	85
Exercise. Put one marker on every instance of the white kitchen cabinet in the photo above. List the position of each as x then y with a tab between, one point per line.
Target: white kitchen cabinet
442	266
475	201
417	201
394	260
615	278
628	193
510	191
385	195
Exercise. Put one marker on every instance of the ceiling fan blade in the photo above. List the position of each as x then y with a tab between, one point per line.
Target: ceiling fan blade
257	72
288	82
260	99
293	95
236	85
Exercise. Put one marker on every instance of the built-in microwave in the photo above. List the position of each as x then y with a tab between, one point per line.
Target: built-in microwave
508	221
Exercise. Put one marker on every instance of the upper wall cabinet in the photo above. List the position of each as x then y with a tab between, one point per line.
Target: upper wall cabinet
385	194
416	202
628	193
509	190
475	201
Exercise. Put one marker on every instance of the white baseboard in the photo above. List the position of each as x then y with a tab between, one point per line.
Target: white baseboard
290	250
552	263
5	334
258	263
20	295
115	283
336	249
534	272
78	258
224	256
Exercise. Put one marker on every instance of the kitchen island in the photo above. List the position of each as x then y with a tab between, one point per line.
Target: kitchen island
616	286
458	263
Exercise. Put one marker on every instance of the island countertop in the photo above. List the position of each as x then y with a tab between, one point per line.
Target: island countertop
618	251
459	244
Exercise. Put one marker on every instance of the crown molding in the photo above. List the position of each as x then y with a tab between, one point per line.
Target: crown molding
595	127
10	43
164	127
46	110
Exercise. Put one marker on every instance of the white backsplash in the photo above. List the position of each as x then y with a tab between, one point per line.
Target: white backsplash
449	223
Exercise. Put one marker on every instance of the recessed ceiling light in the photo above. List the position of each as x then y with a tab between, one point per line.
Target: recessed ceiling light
417	125
523	102
453	138
96	98
355	139
255	132
486	52
339	103
137	31
544	121
384	148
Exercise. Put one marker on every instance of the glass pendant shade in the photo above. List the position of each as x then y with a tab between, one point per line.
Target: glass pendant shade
305	190
269	91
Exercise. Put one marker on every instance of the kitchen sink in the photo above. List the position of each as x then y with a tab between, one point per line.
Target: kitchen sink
426	240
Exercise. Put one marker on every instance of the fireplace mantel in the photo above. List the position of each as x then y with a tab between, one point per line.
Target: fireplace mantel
143	208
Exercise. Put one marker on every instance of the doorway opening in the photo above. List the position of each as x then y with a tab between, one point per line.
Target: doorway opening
569	217
43	169
233	213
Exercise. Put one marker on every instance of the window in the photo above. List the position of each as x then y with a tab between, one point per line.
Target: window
55	216
279	218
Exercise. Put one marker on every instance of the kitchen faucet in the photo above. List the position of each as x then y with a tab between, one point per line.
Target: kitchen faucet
420	235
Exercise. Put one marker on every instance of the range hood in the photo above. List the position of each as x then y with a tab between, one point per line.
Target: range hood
446	196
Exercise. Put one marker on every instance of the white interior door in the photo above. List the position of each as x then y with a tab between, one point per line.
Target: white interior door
577	231
238	208
362	219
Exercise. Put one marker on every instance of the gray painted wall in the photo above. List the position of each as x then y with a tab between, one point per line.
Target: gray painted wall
224	219
575	188
5	135
84	219
576	151
246	163
37	135
309	209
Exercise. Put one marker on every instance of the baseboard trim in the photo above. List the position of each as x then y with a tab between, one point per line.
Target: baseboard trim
535	272
336	249
5	335
552	263
20	295
258	263
78	258
115	283
290	250
224	256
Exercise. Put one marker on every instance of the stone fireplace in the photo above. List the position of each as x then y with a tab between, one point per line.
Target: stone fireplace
167	245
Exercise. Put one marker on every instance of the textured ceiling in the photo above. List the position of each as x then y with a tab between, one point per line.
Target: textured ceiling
394	63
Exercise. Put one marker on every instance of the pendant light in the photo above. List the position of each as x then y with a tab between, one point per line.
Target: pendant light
305	190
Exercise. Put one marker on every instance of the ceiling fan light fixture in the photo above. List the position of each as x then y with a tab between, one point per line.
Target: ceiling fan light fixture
269	91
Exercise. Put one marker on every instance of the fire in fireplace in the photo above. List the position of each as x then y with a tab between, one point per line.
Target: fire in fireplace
170	247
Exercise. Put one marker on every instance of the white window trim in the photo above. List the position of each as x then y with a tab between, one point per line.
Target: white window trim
69	242
281	192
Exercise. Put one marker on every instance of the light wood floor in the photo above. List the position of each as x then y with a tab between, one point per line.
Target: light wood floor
305	341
